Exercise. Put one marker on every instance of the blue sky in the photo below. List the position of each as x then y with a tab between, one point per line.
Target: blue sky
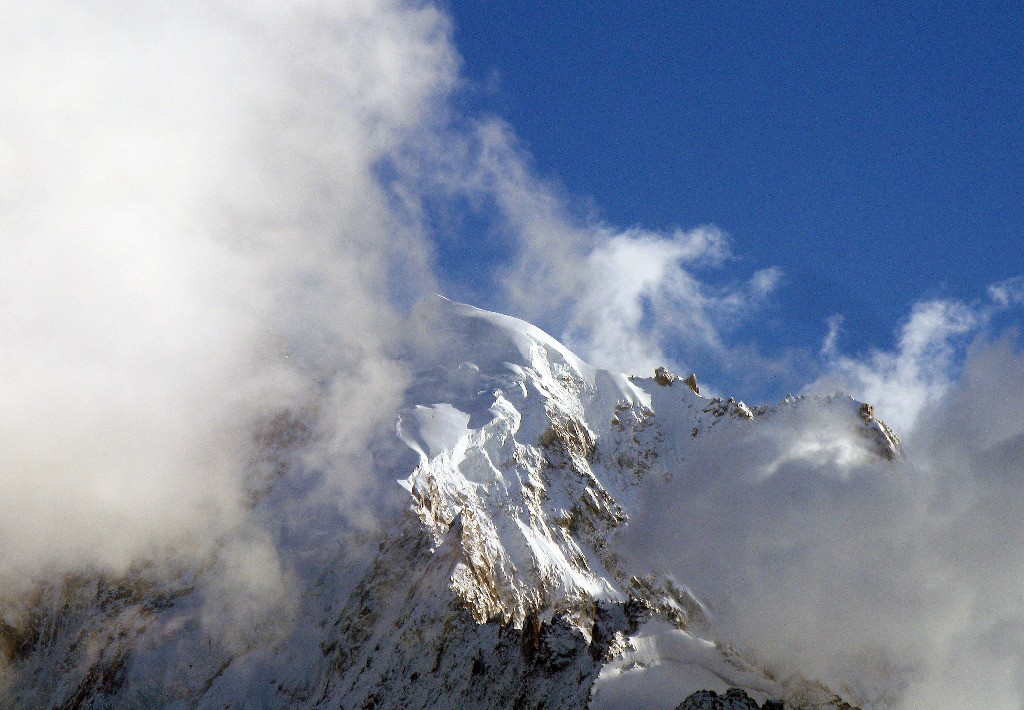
873	153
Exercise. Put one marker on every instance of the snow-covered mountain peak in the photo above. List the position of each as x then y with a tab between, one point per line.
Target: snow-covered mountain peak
510	460
538	461
525	572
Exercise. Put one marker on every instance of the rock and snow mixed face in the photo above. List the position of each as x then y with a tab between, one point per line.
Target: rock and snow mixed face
581	485
541	560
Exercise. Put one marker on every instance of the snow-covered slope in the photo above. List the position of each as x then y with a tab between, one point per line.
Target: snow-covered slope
506	583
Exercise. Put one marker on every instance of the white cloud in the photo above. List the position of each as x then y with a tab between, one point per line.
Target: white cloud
640	294
902	383
623	299
895	582
186	194
1008	293
828	345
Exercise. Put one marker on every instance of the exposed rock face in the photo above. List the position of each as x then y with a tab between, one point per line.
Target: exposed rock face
501	586
438	655
734	699
738	699
663	377
692	382
888	444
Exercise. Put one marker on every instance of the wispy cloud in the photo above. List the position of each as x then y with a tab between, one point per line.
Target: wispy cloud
642	294
625	299
927	358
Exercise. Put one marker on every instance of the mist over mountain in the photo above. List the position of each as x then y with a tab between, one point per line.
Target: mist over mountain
549	534
512	571
245	462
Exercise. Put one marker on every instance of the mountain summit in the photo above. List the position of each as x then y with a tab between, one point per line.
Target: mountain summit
530	563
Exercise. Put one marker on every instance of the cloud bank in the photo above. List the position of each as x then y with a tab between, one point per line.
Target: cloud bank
892	581
193	237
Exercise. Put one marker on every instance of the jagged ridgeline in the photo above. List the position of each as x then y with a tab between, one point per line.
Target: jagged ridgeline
504	583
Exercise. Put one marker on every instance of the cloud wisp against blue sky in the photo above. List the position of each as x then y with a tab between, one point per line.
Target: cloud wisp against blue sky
872	151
